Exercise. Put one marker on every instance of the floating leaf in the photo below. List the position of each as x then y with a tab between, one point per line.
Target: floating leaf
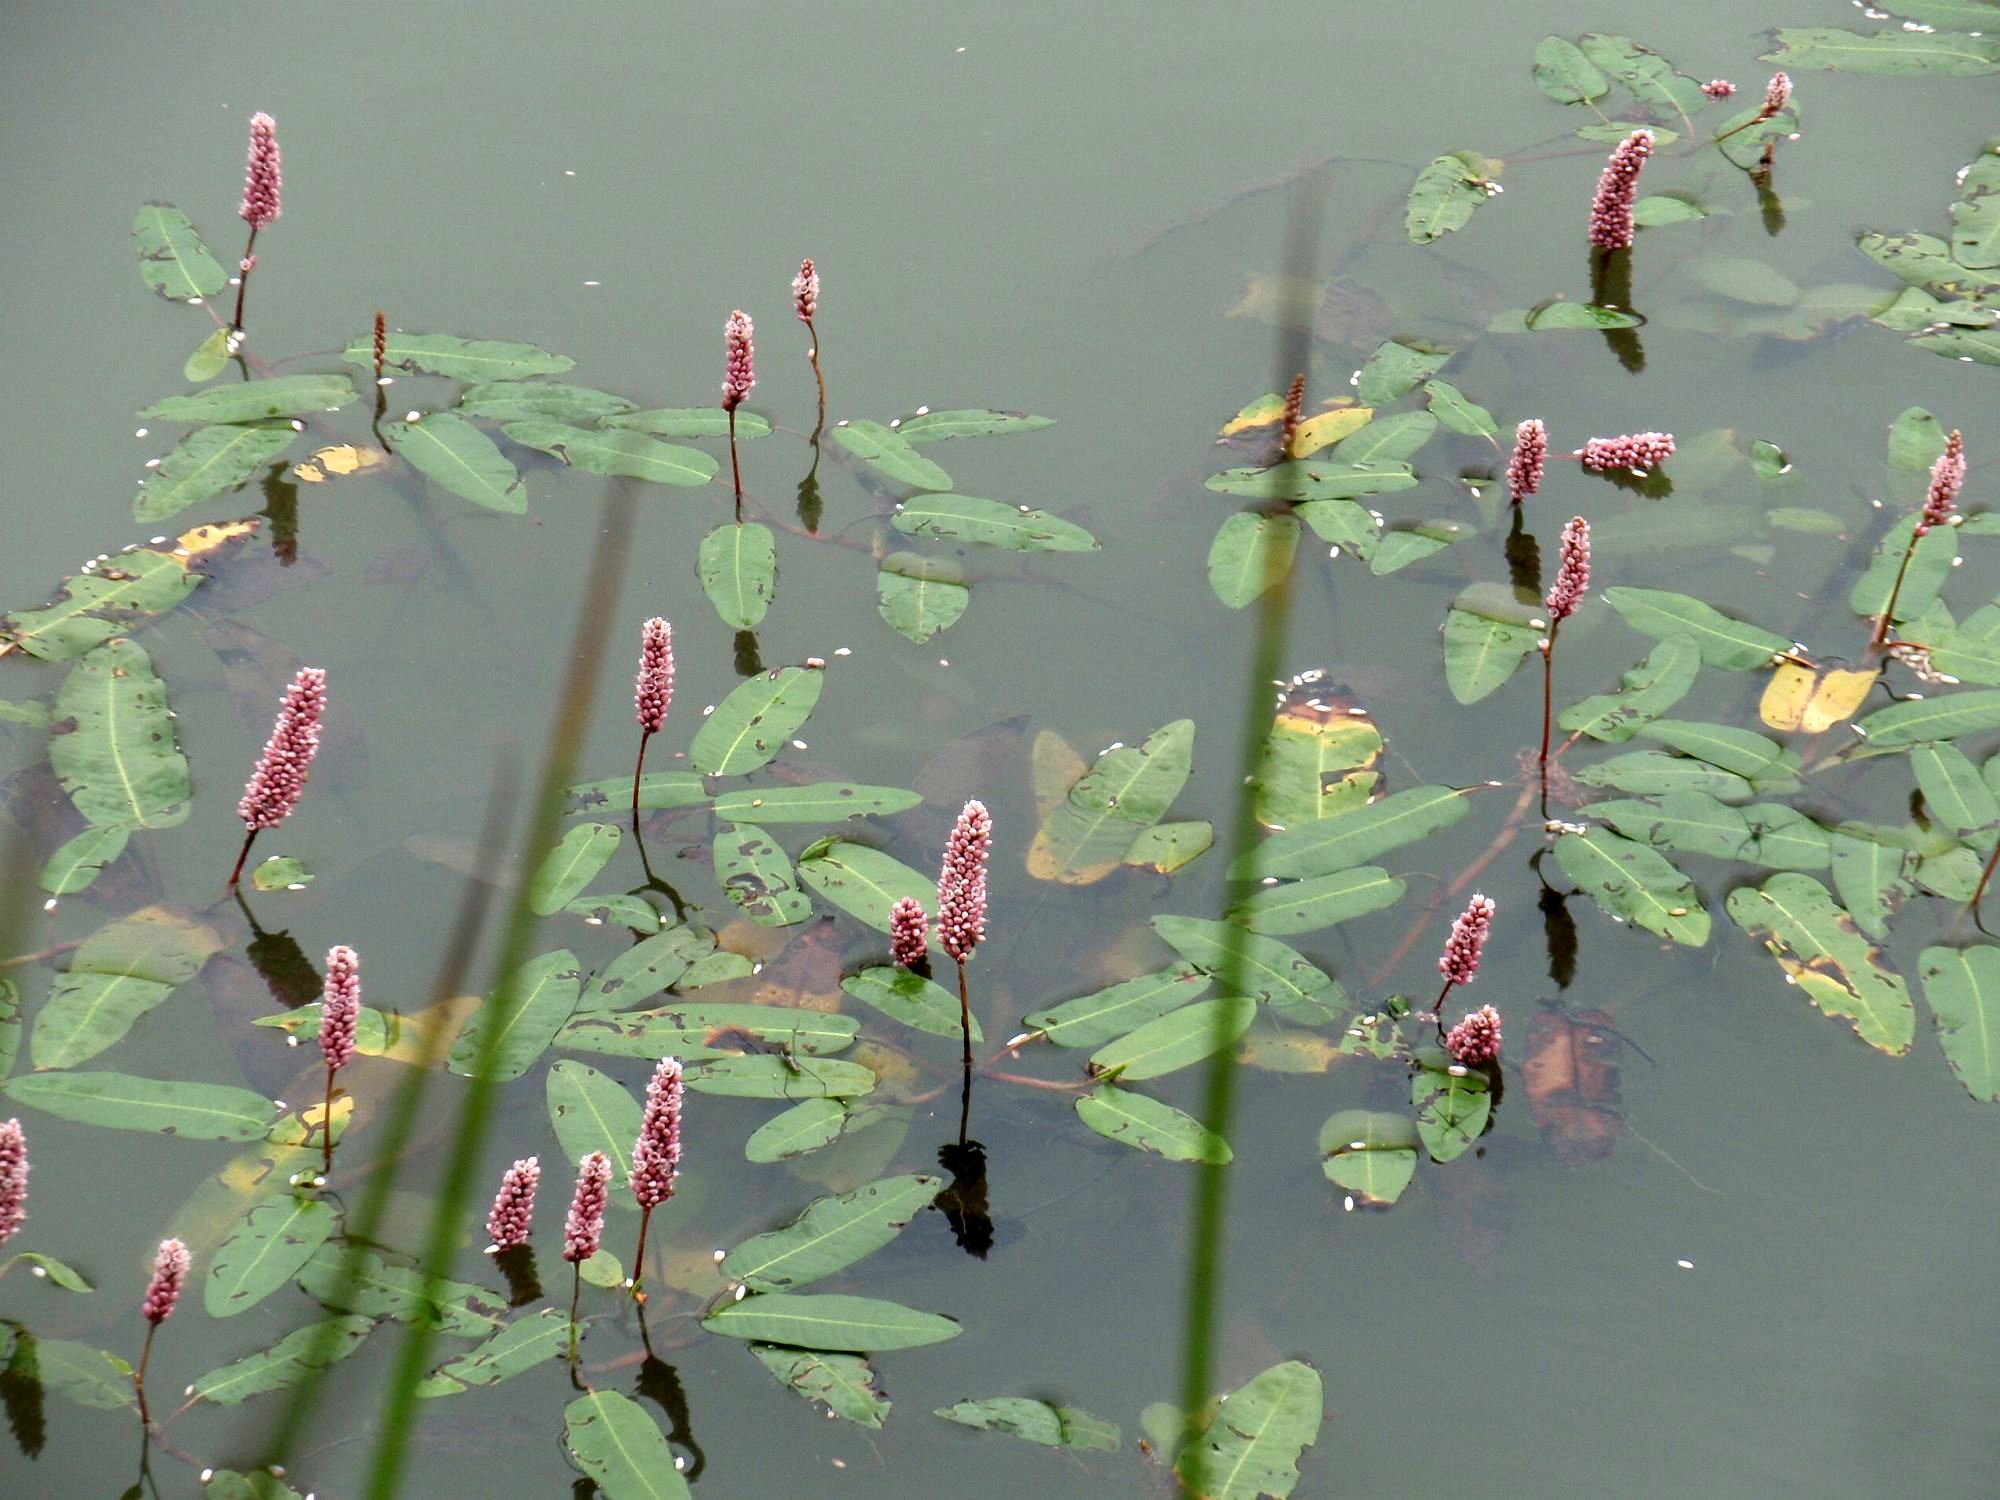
1648	77
1253	1440
531	1340
1740	751
621	1449
1167	847
1563	73
1037	1422
591	1111
966	518
1488	632
934	426
846	1324
861	881
192	1111
1093	1019
1356	836
82	859
57	1273
691	422
1868	873
1315	480
1396	368
1820	950
172	259
1121	1115
1963	988
512	400
1559	316
87	1376
1647	691
692	1028
458	359
910	998
844	1382
919	596
206	463
10	1025
1412	541
642	970
1371	1153
286	1362
830	1235
1942	718
780	1078
1445	194
1978	346
821	802
631	455
1975	216
738	568
570	866
280	873
1648	773
452	452
1315	763
1723	642
1270	970
1953	789
1451	407
756	721
1453	1107
1936	54
1971	651
1814	701
1327	428
1925	260
1175	1040
635	912
1634	884
1250	554
1669	208
889	453
757	875
380	1290
119	759
525	1010
802	1128
657	789
1130	788
1930	564
284	396
1309	905
263	1250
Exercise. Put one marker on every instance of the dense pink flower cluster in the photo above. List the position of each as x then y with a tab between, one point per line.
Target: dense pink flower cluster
583	1230
279	781
962	882
13	1179
1638	451
1531	452
1777	94
656	1159
1611	226
740	373
1718	88
1572	572
805	291
1476	1039
340	1005
263	182
514	1205
1295	402
908	932
170	1268
1460	959
655	692
1947	478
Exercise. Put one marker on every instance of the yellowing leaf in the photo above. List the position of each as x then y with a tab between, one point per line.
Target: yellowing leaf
338	461
1054	769
1292	1052
1329	427
206	540
1265	411
1799	697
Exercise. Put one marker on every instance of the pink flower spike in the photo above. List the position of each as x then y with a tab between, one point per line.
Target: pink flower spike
13	1179
279	780
1476	1039
962	882
583	1230
340	1006
805	291
740	373
1460	959
1531	451
1718	88
170	1268
656	1158
655	693
1947	478
1572	574
263	182
514	1205
909	937
1637	451
1611	226
1776	95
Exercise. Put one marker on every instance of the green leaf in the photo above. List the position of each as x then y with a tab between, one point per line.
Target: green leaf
802	1128
526	1010
1128	790
172	259
1954	15
861	881
259	1484
1251	1444
191	1111
909	998
1969	345
846	1324
843	1381
1935	54
1742	279
1309	905
1314	763
280	873
832	1234
757	875
1818	946
1307	480
1453	1108
966	518
452	452
738	568
634	912
1741	751
755	722
1634	884
1167	847
919	596
263	1250
1963	988
889	453
1648	773
1451	407
631	455
530	1340
1121	1115
284	396
570	866
1175	1040
1407	542
642	970
1488	632
513	400
761	1077
1343	523
1971	652
1929	566
1669	208
1868	873
206	463
1356	836
456	358
1687	822
87	1376
934	426
1563	73
1784	838
684	1027
657	789
1941	718
1953	789
1396	368
821	802
119	759
10	1025
56	1272
621	1449
1646	691
82	859
1096	1018
1559	317
691	422
1037	1422
1371	1153
1975	215
1250	554
286	1362
1723	642
1271	970
380	1290
1445	194
1925	260
1648	77
592	1111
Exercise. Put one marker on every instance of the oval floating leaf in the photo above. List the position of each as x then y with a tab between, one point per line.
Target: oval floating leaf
738	568
1488	632
263	1250
1963	988
172	259
889	453
1174	1040
380	1290
966	518
821	802
570	866
591	1111
458	359
117	975
1270	969
1355	836
1251	1444
1309	905
1093	1019
1942	718
1451	407
1648	77
286	1362
451	451
1821	951
917	1002
861	881
1647	691
1037	1422
1563	73
82	859
283	396
631	455
1396	368
87	1376
846	1324
1445	194
1953	788
757	875
621	1449
1936	54
1723	642
119	759
518	1020
643	970
753	724
1634	884
193	1111
1371	1153
763	1077
802	1128
1250	553
1122	1115
919	596
843	1381
524	1343
207	462
1453	1106
513	400
934	426
830	1235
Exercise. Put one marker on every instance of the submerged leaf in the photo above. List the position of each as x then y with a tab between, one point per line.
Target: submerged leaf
1088	834
919	596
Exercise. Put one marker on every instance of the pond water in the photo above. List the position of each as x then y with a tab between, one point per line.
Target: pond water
1745	1264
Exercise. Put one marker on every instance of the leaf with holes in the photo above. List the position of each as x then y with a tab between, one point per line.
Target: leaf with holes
1271	970
845	1383
263	1250
172	259
1371	1153
286	1362
738	568
1821	950
119	759
753	725
1453	1108
917	1002
570	866
1634	884
1963	988
757	875
528	1341
1252	1441
918	596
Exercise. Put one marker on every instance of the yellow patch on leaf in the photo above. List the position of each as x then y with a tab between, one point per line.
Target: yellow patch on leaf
1328	428
206	541
1802	698
338	461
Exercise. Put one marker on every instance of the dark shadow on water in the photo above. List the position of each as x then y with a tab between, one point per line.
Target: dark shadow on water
1559	932
660	1383
810	507
518	1266
1524	554
963	1203
21	1394
279	961
749	662
1611	286
281	509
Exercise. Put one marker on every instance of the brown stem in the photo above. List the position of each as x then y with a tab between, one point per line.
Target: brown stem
735	469
139	1375
1985	875
639	770
1548	704
243	280
639	1255
965	1012
1888	615
813	355
1437	1010
237	873
326	1125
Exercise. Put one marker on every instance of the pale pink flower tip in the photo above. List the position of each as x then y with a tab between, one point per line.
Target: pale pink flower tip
514	1205
1776	95
340	1005
962	882
279	780
1531	451
583	1230
13	1179
1476	1039
655	692
908	932
805	291
170	1268
263	182
1572	573
1718	88
1637	451
656	1158
1460	959
1611	226
740	373
1947	477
